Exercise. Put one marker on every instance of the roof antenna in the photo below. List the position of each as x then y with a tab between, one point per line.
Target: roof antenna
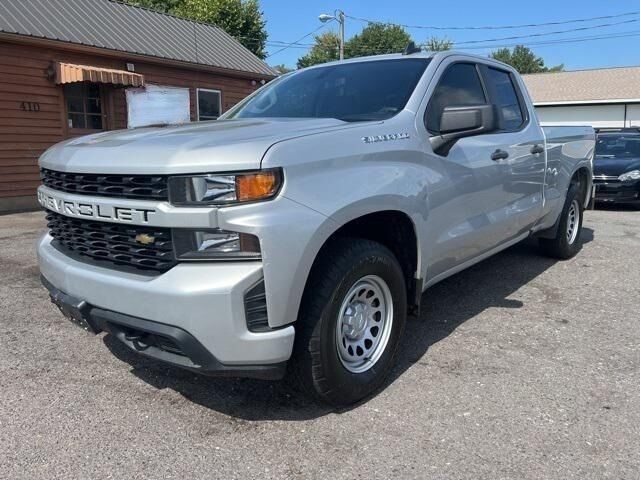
411	48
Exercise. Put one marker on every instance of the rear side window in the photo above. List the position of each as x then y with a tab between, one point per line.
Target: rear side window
505	96
459	86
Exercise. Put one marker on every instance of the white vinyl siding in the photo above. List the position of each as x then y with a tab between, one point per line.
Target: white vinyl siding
598	116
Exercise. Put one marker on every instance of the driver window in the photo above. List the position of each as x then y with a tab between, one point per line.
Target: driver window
459	86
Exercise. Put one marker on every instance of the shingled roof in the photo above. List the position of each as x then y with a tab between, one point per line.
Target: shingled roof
605	85
116	26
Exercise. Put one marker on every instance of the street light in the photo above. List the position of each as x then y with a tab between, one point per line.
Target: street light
338	15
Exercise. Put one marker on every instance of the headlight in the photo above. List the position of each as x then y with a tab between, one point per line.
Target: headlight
215	245
629	176
223	189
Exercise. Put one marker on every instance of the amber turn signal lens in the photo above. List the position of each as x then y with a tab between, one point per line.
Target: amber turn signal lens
257	186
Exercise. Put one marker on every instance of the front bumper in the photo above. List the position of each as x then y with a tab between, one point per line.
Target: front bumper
192	304
614	191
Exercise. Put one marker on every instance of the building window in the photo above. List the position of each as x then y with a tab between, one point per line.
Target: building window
84	105
209	104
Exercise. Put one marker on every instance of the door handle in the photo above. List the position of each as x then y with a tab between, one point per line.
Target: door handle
537	149
499	155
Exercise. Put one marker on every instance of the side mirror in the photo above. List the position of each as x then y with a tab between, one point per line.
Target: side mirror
460	122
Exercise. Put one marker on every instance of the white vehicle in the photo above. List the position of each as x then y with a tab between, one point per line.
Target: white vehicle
302	227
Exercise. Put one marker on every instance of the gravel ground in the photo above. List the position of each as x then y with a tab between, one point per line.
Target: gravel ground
520	367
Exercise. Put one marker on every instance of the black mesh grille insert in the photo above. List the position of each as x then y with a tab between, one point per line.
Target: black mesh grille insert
255	308
142	187
113	243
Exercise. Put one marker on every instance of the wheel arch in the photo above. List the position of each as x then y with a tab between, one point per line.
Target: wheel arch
399	234
582	177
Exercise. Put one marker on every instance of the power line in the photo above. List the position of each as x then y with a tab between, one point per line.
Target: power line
544	34
470	42
559	41
381	49
498	27
301	38
477	44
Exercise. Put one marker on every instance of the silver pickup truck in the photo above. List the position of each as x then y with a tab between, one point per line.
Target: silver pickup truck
299	230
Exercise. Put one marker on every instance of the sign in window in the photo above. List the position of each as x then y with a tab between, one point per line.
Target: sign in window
157	105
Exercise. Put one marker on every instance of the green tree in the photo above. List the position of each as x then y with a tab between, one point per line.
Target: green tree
282	69
524	60
241	19
325	49
164	6
436	44
376	39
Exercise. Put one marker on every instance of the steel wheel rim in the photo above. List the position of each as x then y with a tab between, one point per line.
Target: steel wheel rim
573	222
364	324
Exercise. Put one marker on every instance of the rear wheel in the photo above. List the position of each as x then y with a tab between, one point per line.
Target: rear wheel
351	320
567	242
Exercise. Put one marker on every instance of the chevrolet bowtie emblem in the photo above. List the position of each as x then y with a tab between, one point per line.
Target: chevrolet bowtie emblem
145	239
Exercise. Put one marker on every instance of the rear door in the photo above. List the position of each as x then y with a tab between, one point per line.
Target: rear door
521	138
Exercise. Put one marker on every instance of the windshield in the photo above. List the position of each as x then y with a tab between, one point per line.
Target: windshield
618	145
374	90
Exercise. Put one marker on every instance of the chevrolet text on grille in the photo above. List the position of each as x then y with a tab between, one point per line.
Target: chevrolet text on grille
95	210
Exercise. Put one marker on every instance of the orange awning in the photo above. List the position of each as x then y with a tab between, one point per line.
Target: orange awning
69	73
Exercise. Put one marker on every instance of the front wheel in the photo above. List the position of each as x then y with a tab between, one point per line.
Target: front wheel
352	317
567	242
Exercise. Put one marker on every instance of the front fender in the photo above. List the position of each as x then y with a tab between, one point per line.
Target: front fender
341	177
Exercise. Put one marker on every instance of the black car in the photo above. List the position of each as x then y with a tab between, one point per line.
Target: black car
616	170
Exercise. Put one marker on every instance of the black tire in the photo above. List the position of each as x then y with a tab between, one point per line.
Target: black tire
316	362
563	246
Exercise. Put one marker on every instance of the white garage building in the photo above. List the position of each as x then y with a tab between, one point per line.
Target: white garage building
603	98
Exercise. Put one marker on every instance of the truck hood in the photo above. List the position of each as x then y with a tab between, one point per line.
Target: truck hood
614	166
223	145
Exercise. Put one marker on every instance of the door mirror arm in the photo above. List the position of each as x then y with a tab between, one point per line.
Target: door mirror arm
460	122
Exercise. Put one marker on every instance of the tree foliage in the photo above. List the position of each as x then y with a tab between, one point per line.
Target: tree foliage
436	44
374	39
524	60
164	6
241	19
325	49
282	69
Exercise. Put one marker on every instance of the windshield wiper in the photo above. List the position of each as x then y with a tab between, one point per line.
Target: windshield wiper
359	118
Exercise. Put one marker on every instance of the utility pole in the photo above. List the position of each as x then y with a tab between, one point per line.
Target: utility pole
341	21
338	16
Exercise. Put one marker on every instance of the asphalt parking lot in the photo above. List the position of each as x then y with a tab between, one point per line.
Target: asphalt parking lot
520	367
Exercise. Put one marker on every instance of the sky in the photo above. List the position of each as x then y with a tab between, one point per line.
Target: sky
288	20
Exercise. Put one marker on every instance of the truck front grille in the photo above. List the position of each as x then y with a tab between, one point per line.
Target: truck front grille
141	187
112	244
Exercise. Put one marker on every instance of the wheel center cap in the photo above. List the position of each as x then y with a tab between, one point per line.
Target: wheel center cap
355	321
